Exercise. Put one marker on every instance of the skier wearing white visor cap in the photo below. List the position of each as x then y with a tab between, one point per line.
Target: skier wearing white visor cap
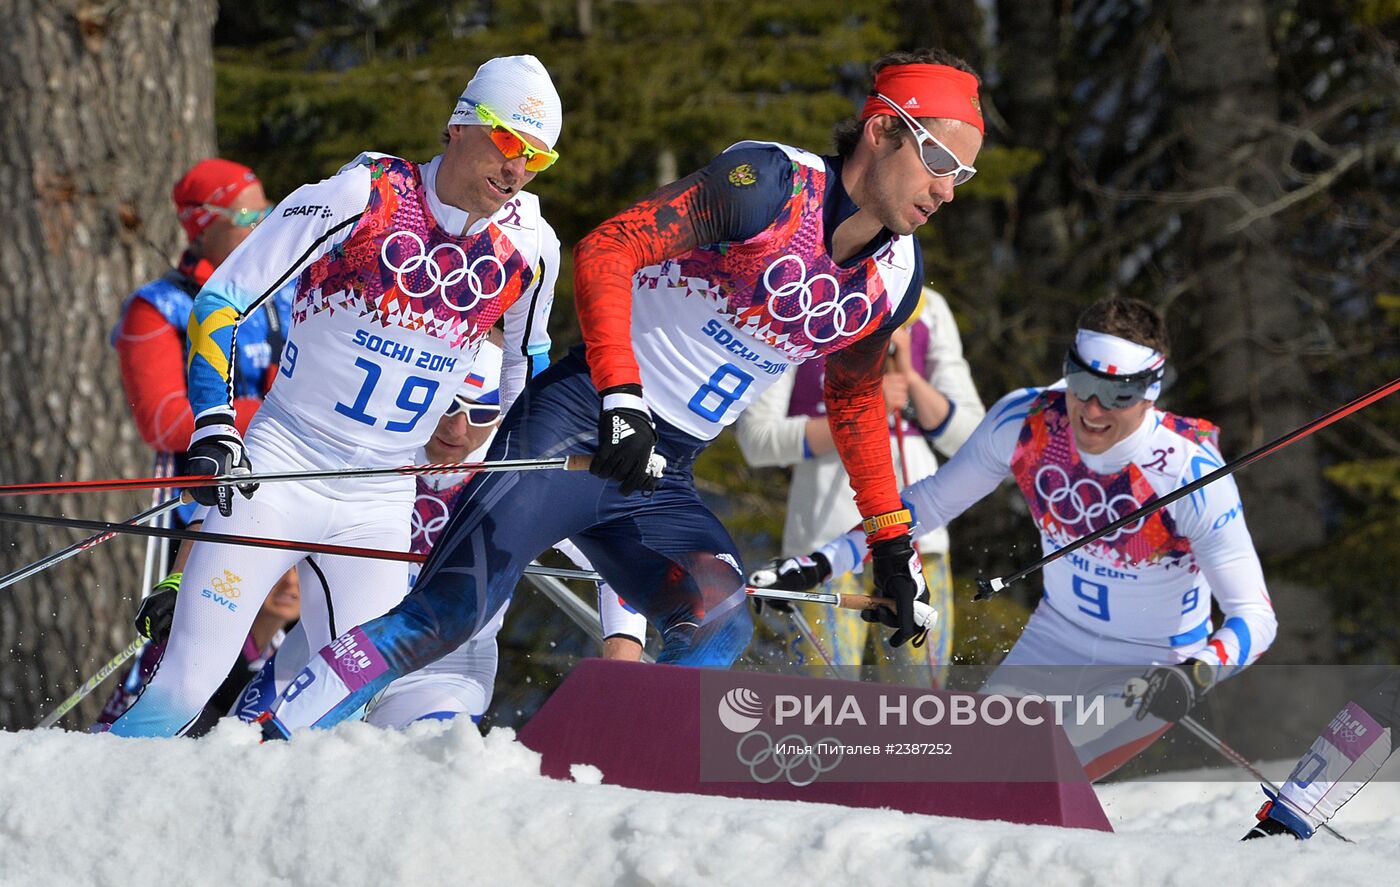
1124	622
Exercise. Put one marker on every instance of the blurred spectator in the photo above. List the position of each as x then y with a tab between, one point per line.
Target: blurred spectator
219	202
932	400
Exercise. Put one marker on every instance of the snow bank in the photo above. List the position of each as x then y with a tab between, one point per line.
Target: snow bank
441	805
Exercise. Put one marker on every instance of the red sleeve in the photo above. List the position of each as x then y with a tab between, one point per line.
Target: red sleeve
151	354
659	227
855	407
708	206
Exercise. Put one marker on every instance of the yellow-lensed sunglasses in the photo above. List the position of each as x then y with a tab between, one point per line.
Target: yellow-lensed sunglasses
512	144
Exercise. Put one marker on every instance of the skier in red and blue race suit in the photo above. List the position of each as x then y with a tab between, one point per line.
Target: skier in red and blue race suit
691	302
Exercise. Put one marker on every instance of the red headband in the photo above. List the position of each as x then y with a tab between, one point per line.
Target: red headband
925	90
214	181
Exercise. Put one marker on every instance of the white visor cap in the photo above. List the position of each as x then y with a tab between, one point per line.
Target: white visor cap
517	89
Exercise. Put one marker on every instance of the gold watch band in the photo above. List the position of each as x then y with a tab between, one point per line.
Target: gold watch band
880	521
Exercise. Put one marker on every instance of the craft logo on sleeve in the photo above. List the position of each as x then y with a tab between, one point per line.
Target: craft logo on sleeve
743	175
308	210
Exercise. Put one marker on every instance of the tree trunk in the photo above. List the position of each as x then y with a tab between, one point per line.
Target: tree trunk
1251	320
106	104
1029	50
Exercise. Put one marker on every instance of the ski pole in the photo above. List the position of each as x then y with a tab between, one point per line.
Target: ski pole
567	463
804	626
92	683
64	554
988	587
265	542
581	614
563	573
1234	757
158	550
924	615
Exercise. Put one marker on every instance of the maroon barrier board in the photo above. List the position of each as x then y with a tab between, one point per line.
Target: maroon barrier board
783	737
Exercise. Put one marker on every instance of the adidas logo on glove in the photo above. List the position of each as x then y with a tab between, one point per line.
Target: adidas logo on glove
621	430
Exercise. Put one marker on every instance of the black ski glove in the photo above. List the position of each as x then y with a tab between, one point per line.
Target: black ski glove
627	442
789	574
1170	692
157	611
216	448
899	576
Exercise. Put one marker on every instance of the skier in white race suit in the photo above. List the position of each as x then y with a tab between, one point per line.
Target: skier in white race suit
400	269
1136	605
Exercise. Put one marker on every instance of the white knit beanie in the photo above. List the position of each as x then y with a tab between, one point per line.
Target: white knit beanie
518	90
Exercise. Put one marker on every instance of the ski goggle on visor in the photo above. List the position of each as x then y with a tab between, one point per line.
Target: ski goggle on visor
1114	392
512	144
938	158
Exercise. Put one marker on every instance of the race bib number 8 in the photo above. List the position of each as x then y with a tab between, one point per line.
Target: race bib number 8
725	386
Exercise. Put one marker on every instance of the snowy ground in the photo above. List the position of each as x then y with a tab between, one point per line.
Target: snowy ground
440	805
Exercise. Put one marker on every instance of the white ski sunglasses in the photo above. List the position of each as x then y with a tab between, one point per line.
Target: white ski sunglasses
479	415
937	157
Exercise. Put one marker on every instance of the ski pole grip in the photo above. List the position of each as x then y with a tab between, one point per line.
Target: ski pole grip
578	463
863	602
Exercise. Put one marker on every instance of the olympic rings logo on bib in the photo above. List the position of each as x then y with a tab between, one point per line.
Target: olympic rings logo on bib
425	262
1084	501
811	307
427	527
